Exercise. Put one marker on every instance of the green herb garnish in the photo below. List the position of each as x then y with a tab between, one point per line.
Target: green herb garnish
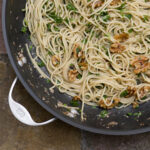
137	114
105	16
30	48
145	18
48	80
74	103
143	98
103	113
122	6
105	96
65	104
84	41
66	20
71	7
94	107
79	76
25	22
49	27
78	49
98	87
24	29
129	16
50	53
55	17
41	64
124	93
56	28
130	30
129	114
119	104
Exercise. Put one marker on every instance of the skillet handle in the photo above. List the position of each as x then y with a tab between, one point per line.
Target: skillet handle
21	113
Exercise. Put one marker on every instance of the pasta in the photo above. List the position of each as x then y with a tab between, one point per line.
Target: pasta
94	50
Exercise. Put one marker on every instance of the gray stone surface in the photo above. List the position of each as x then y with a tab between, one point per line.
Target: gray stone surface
104	142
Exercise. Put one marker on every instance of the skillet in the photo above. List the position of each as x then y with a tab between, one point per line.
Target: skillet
118	122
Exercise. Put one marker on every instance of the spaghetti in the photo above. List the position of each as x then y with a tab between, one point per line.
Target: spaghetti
94	50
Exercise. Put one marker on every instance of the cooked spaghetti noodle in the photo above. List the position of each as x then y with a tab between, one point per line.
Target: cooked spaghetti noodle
94	50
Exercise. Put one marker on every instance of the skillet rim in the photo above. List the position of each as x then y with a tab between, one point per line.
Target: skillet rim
44	105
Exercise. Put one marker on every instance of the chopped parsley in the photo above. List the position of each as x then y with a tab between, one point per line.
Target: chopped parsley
24	29
56	28
50	53
49	27
41	64
65	104
74	103
78	49
129	16
119	104
103	113
145	18
124	93
89	27
143	98
130	30
55	17
79	76
84	40
71	7
25	22
48	80
122	7
137	114
30	48
105	96
66	20
105	16
129	114
94	107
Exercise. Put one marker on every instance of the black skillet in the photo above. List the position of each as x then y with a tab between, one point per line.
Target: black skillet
119	122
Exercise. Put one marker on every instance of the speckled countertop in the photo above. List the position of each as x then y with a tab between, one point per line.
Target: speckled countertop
55	136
